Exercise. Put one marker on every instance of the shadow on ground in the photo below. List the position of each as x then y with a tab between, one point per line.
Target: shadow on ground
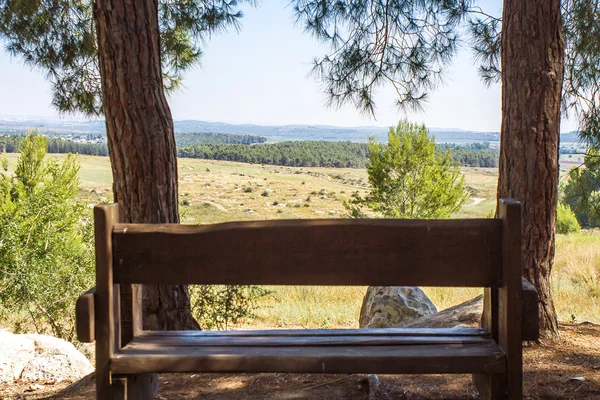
569	369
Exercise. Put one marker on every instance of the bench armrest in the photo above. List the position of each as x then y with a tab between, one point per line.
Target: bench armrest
85	316
530	312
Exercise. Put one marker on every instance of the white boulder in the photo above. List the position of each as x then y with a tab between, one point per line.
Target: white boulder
391	306
40	358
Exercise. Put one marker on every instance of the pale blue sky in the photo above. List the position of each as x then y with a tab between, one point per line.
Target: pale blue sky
260	76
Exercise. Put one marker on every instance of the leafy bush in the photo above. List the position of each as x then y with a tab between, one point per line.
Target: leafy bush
221	307
566	221
582	191
46	241
409	178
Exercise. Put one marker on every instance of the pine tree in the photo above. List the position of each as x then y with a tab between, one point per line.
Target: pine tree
409	178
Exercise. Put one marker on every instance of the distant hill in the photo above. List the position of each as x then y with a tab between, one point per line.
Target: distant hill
276	133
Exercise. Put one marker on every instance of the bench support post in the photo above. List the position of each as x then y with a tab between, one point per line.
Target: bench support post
143	386
108	336
502	311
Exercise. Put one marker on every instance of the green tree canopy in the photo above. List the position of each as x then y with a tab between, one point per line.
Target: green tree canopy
409	179
59	38
46	250
581	32
373	42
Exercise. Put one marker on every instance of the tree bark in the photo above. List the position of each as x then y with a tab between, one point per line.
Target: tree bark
139	130
532	75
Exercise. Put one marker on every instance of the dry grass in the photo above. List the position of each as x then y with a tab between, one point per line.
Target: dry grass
218	192
576	277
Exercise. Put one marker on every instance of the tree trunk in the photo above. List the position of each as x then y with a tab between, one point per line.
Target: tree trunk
139	130
532	75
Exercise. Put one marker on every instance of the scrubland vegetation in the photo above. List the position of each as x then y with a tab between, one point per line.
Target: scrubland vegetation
216	191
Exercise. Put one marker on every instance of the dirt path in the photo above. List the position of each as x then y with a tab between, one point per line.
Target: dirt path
569	369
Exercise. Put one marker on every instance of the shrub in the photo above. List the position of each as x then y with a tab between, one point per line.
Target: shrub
265	193
248	189
566	221
46	256
582	191
221	307
409	178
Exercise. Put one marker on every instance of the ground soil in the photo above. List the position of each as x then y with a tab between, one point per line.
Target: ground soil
568	369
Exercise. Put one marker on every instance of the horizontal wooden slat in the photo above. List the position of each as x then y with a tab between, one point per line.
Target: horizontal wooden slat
312	252
85	317
326	332
419	359
150	339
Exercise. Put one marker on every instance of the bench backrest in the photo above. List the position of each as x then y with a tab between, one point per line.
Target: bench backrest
458	252
312	252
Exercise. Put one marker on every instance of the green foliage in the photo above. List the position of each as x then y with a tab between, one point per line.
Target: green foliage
293	154
58	37
222	307
409	179
581	31
46	251
184	139
326	154
407	43
566	221
582	191
473	155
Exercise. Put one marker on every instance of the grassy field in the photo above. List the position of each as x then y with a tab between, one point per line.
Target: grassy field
212	192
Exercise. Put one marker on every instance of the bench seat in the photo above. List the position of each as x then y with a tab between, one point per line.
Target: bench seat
384	351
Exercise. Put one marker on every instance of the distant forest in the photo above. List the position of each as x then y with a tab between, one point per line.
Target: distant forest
253	149
10	143
184	139
327	154
292	154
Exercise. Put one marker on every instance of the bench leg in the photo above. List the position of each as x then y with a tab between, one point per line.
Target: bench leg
491	386
128	387
116	390
142	386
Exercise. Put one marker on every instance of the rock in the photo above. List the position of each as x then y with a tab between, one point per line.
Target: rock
17	351
389	306
40	358
464	315
55	360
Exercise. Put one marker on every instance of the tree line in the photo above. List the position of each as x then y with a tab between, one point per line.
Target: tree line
184	139
10	143
292	154
473	154
327	154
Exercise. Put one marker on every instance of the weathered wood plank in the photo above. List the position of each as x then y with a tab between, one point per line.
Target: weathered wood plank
531	312
141	386
418	359
510	337
84	317
150	340
491	386
326	332
118	389
106	312
317	252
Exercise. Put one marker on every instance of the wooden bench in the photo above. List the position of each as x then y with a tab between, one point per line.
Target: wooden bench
456	253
